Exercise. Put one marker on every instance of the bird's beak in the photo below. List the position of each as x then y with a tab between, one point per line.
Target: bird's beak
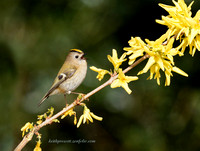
83	56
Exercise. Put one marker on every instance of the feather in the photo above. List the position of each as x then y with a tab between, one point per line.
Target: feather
57	82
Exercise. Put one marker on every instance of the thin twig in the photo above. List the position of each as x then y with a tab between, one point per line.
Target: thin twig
136	63
29	136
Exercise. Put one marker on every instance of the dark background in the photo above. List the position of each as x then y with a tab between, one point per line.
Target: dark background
35	37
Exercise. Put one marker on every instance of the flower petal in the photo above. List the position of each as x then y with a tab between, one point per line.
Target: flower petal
125	86
115	84
80	121
150	62
96	117
131	78
167	80
179	71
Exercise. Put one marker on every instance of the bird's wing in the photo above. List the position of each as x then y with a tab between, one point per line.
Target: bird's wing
59	80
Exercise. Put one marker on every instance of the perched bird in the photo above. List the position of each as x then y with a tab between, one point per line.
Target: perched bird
70	76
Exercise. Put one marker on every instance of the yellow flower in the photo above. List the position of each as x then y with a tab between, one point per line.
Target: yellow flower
45	115
39	122
155	69
37	147
101	72
180	22
161	57
50	111
114	59
70	113
195	45
26	127
56	121
123	81
87	116
136	50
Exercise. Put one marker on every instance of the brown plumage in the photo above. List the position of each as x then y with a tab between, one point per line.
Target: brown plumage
70	76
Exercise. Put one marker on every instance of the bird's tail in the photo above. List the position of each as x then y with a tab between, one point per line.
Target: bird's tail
50	92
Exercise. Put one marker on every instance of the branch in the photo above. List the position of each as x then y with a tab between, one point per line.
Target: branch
29	136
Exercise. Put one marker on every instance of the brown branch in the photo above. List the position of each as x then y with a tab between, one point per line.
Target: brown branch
25	140
136	63
29	136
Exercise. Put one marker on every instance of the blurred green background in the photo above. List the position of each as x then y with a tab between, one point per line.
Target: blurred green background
36	35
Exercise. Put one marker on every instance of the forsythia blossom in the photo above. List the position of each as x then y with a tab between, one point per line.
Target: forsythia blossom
101	72
123	81
37	147
26	127
182	25
161	57
161	54
87	116
115	61
70	113
136	50
46	115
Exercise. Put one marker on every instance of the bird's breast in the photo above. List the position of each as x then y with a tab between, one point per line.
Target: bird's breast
72	83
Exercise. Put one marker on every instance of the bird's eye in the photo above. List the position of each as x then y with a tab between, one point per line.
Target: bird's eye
60	76
76	56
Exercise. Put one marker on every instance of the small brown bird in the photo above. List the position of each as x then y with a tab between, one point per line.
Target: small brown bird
70	76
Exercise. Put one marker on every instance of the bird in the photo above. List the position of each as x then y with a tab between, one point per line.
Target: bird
70	76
